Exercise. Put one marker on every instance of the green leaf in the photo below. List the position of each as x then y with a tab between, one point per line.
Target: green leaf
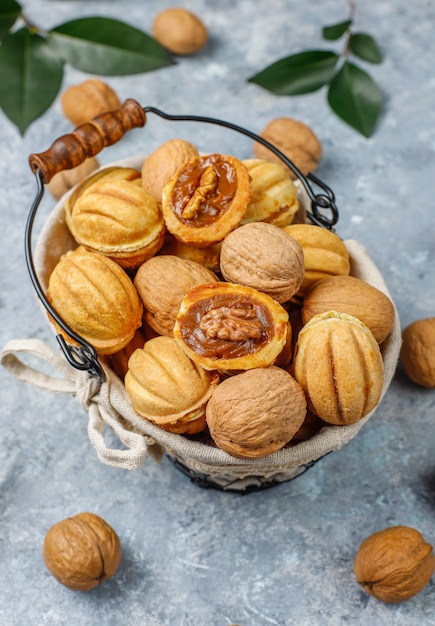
365	47
355	98
9	13
30	76
298	74
335	31
108	47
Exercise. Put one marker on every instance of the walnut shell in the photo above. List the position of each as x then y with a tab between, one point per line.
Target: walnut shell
82	551
264	257
418	352
96	298
179	31
67	179
162	282
81	103
273	194
295	140
167	388
324	253
119	219
394	564
162	164
228	327
339	365
348	294
256	413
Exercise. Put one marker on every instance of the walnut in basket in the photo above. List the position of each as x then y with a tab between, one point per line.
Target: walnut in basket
256	413
264	257
162	282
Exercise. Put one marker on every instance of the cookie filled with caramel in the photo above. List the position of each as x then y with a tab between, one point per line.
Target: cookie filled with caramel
206	199
224	326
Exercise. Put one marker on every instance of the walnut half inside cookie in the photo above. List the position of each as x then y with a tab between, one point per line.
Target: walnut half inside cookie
206	199
224	326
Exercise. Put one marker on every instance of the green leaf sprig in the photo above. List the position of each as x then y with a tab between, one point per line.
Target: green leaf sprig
32	60
351	92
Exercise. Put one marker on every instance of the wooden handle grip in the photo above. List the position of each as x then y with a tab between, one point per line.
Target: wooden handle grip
87	140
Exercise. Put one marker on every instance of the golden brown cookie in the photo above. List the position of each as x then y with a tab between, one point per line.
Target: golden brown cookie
273	192
339	365
229	327
206	199
167	388
96	298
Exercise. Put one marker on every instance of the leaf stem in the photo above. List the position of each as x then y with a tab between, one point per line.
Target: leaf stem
346	49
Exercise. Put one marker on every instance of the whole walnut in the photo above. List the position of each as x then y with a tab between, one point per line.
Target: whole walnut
179	31
418	352
81	103
394	564
255	413
162	282
265	257
82	551
295	140
351	295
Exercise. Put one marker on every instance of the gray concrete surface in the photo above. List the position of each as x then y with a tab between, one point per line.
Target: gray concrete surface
194	557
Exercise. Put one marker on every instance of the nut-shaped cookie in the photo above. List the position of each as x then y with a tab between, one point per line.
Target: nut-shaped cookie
264	257
273	194
162	164
255	413
120	219
324	253
162	282
96	298
227	327
338	363
354	296
106	173
206	199
82	551
167	388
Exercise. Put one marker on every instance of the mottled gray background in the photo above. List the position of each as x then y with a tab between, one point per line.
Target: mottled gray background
194	557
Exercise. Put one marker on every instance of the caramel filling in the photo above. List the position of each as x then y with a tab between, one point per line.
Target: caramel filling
204	191
226	326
